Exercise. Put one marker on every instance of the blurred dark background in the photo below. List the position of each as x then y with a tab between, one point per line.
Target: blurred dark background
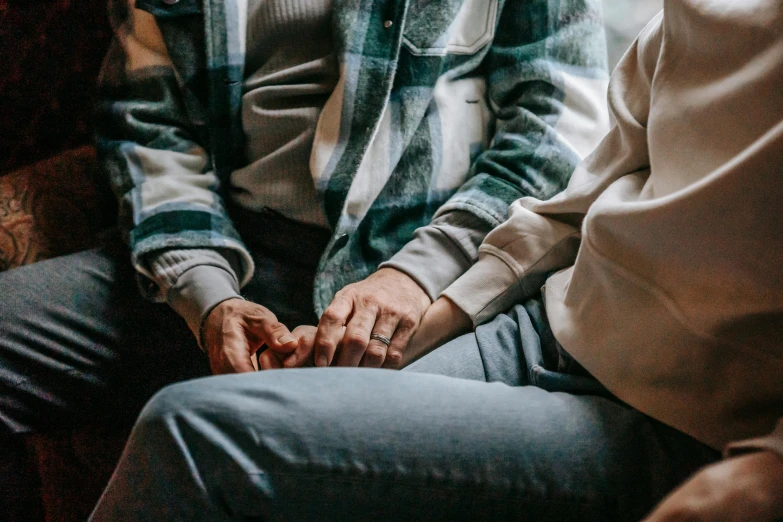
50	52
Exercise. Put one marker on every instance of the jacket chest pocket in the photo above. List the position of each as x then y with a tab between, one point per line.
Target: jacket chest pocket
440	27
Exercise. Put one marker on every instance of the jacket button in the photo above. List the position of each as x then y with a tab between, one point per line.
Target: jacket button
339	243
386	24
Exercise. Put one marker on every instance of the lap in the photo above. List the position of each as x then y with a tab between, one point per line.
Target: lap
366	443
516	348
77	338
499	351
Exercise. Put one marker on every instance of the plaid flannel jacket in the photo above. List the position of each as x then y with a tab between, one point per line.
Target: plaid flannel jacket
441	105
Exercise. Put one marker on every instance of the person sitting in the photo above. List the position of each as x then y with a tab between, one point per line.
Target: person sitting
289	149
626	331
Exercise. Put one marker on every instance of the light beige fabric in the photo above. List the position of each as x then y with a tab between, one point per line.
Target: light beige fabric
669	238
291	70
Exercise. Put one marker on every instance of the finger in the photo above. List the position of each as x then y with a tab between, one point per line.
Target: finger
330	329
233	355
264	328
402	336
269	360
356	337
304	351
377	350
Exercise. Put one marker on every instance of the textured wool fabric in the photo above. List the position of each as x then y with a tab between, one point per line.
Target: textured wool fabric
667	242
289	78
459	105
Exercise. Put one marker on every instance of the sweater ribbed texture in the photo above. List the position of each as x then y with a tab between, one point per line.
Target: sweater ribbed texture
290	73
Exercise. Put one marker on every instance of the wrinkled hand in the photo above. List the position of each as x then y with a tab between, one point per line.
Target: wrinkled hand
235	329
301	356
745	488
387	303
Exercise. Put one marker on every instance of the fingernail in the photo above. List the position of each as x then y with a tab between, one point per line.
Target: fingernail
286	339
322	361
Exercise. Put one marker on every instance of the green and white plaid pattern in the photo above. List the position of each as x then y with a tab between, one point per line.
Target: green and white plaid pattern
441	105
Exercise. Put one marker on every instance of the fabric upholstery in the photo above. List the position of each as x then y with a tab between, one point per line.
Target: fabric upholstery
48	209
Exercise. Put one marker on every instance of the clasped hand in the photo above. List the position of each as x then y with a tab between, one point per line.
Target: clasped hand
388	303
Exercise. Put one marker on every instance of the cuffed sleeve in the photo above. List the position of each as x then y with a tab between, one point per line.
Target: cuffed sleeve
771	442
153	147
198	291
542	236
442	251
548	96
514	261
487	289
193	281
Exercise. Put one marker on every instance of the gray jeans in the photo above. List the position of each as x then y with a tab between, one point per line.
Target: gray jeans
469	432
79	345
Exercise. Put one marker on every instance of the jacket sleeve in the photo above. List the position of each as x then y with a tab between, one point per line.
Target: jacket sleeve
154	154
542	236
546	85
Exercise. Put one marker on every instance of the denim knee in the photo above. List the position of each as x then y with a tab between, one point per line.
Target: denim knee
215	398
174	399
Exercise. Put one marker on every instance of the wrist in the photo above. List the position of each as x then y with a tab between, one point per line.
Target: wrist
424	299
207	314
452	320
442	322
198	291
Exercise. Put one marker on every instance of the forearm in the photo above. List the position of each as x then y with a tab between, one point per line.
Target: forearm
549	102
153	153
442	322
542	236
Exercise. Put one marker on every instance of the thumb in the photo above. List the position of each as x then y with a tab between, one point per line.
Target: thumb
269	331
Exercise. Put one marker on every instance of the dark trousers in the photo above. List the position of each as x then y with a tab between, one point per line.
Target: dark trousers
79	345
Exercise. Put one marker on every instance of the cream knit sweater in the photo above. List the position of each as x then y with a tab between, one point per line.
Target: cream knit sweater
668	243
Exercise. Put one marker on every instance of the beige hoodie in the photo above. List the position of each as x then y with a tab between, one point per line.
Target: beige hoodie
668	242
